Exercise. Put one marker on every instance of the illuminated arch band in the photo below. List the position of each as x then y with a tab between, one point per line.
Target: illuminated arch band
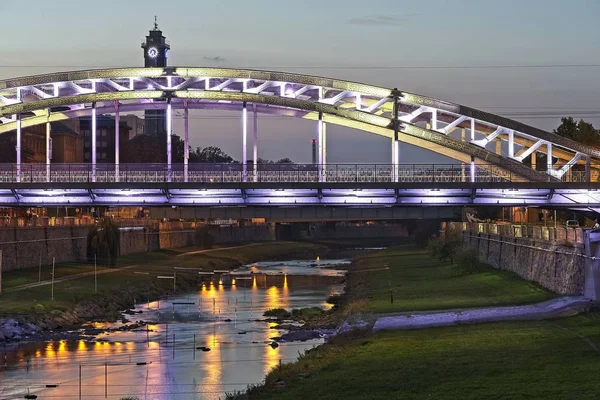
400	116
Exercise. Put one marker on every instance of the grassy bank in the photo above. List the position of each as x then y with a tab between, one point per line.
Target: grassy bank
520	360
538	359
140	271
415	281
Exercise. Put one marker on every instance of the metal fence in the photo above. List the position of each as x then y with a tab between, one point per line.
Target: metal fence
221	173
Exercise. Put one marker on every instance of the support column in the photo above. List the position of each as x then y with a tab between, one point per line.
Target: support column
588	169
186	140
324	160
434	124
472	169
48	147
511	144
395	146
549	158
169	127
244	142
472	129
255	144
320	147
117	139
94	128
18	148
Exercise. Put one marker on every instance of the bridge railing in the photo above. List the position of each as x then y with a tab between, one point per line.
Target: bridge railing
234	172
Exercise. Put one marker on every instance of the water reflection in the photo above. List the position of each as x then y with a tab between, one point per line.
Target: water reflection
163	361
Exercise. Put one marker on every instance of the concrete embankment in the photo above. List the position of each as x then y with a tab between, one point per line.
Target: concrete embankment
560	307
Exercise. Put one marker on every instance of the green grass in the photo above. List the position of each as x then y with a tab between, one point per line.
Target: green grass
555	359
69	293
419	282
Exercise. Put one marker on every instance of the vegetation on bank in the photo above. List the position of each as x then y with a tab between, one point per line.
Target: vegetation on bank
139	277
404	279
432	363
555	359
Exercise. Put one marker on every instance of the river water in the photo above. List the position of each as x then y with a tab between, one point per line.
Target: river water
163	361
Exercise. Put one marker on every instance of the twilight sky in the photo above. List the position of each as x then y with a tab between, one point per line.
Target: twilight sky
333	38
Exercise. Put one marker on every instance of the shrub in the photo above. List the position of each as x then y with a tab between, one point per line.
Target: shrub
307	312
467	261
204	239
335	299
277	313
446	247
103	242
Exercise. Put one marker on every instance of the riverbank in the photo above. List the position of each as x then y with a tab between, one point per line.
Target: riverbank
508	359
30	311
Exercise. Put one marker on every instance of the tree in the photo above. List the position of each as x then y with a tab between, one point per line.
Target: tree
104	242
582	132
211	154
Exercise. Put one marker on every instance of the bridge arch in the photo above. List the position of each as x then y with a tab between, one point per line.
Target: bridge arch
400	116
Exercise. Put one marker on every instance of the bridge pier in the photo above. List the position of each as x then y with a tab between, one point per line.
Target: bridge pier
244	142
186	140
324	160
320	146
94	129
591	288
169	132
18	147
255	144
48	149
117	136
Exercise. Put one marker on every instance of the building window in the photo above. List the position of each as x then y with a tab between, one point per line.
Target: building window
103	133
104	156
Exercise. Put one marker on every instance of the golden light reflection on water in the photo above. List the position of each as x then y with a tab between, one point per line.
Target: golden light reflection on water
81	346
274	298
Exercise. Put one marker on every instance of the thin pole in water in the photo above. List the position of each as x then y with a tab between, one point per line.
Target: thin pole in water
194	347
105	380
52	286
95	275
173	346
80	381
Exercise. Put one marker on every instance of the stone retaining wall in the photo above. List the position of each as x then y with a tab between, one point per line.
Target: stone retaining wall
24	247
557	265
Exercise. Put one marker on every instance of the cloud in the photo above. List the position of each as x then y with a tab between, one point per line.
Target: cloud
382	20
215	59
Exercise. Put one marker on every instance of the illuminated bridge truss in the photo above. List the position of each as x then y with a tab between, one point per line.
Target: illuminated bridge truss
489	149
462	133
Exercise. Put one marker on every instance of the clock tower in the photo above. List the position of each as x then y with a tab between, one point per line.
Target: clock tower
156	48
156	51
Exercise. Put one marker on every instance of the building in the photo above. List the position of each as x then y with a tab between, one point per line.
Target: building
66	143
156	50
136	125
105	138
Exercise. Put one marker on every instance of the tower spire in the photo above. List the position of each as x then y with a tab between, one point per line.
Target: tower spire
155	22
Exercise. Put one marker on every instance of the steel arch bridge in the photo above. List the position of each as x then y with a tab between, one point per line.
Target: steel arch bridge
462	133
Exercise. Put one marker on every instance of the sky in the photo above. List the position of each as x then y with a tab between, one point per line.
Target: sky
344	39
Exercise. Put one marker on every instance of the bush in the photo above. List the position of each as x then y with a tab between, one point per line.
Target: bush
277	313
446	247
307	312
204	239
335	299
467	261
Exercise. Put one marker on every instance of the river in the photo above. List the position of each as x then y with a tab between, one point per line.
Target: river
166	361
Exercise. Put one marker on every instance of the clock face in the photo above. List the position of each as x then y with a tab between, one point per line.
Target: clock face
153	52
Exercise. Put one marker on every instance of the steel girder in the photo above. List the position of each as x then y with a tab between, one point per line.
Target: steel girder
425	122
556	195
